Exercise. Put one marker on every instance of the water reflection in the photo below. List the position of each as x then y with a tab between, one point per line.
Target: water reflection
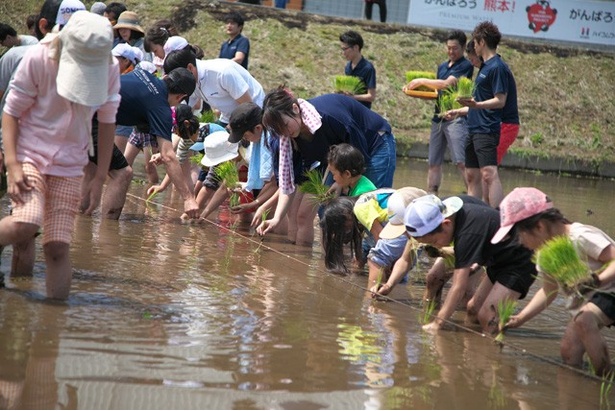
168	315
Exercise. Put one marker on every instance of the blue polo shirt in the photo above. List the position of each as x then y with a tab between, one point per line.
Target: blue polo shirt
492	79
460	68
366	71
230	48
145	104
344	120
510	111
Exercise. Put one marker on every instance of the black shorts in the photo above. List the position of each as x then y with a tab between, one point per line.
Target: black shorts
482	150
118	161
518	277
606	303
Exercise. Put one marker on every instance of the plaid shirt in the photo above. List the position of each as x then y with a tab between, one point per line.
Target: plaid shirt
312	120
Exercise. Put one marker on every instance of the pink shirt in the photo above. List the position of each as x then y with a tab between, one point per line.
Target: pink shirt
54	133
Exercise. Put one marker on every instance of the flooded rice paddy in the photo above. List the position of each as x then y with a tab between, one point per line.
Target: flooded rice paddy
165	315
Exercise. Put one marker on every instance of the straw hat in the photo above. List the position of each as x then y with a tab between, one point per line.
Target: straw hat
129	20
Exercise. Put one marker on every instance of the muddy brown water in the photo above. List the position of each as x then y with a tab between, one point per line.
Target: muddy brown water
164	315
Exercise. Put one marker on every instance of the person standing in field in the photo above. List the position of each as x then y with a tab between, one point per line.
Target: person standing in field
382	5
452	132
491	89
359	66
237	47
61	83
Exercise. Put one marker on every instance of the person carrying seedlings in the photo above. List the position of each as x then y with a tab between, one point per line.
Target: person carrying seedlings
446	132
470	227
509	128
529	215
311	127
484	112
46	129
358	66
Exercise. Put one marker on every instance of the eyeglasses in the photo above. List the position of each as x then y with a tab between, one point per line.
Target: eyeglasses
346	48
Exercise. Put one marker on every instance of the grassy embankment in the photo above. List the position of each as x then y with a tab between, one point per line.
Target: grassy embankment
566	95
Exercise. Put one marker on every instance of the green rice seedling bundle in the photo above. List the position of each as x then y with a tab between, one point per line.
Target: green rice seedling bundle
207	116
428	309
349	84
558	258
412	75
196	158
227	173
448	101
506	308
465	87
315	186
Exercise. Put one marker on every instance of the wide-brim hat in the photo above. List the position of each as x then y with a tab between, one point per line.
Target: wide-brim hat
129	20
396	208
85	57
218	149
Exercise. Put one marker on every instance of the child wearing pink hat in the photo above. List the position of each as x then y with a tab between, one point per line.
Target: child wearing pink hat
592	301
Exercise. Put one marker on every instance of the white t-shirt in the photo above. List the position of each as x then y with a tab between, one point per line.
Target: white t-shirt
221	82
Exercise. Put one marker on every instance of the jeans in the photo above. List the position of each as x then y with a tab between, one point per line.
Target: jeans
381	167
280	4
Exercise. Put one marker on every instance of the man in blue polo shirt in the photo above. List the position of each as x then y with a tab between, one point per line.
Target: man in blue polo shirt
237	47
359	66
485	115
447	132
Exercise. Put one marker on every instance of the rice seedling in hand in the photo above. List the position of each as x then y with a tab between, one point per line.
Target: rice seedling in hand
505	310
315	186
263	219
196	158
448	101
227	173
559	259
428	309
207	117
412	75
349	84
465	88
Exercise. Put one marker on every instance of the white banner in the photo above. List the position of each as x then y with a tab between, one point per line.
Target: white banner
566	20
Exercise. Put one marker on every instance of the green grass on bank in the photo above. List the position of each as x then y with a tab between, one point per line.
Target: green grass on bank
566	96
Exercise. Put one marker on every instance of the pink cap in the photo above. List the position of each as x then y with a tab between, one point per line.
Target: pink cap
519	204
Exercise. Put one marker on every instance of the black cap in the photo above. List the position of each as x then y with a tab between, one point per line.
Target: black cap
244	118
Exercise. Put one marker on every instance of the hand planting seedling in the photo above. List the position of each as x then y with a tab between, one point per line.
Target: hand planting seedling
559	259
315	186
505	310
227	173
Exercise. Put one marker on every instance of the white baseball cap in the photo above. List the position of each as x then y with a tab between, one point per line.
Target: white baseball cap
426	213
67	9
174	43
128	52
83	72
396	208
